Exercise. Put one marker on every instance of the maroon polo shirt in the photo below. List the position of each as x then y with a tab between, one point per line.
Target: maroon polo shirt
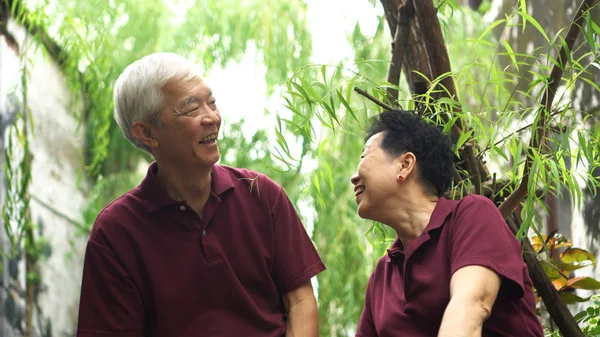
153	267
409	289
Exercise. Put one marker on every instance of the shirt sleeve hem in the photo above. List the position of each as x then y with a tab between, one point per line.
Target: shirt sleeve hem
302	277
517	280
93	333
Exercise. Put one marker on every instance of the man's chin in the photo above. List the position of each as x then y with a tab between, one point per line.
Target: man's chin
212	160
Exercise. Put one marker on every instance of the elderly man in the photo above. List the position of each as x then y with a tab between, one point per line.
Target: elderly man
197	249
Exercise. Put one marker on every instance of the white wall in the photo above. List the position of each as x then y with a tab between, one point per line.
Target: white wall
56	145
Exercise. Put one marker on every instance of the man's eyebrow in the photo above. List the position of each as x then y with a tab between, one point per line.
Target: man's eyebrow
184	103
189	100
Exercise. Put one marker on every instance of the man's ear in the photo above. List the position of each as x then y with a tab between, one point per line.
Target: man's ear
144	133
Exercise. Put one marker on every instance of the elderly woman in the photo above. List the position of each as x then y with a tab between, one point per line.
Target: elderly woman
455	269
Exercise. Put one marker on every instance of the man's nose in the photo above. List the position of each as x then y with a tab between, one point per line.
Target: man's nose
211	117
355	178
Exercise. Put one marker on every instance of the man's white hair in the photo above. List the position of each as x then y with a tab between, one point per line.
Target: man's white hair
138	94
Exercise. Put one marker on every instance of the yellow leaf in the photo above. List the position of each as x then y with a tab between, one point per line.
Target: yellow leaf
577	255
583	282
560	283
537	243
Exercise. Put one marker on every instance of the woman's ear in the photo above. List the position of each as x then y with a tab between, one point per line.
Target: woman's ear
144	133
406	164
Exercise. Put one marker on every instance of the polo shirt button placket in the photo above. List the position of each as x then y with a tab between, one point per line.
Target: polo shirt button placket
204	233
182	208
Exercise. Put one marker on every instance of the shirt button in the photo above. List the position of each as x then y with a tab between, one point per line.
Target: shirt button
204	232
182	208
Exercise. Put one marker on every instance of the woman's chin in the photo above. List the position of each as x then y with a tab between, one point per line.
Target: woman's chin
363	212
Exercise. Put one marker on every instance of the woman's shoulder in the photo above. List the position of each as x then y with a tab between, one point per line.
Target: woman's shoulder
475	200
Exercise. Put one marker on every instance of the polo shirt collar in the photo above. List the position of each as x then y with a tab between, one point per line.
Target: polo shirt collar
156	198
442	210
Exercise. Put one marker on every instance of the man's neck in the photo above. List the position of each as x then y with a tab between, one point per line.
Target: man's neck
190	185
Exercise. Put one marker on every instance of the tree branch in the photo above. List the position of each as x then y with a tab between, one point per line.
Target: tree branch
10	39
399	46
472	163
390	9
439	65
554	304
373	99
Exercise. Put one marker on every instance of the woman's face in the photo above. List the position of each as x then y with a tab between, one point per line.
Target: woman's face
375	181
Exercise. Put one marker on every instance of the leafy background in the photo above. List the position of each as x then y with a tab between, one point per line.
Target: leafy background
284	74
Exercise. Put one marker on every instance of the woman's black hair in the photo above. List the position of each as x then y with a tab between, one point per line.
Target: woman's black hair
405	131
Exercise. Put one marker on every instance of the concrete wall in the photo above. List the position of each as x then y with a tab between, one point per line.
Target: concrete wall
56	144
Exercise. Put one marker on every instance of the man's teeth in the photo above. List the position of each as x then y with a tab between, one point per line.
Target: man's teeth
209	138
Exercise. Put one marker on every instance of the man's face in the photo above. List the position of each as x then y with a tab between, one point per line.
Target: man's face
189	125
375	180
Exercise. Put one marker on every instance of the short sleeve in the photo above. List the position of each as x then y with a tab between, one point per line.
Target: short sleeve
480	236
110	304
296	258
366	325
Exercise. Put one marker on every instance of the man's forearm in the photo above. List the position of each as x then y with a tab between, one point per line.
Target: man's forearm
463	319
303	319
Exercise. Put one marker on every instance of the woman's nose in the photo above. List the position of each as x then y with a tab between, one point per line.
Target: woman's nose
355	178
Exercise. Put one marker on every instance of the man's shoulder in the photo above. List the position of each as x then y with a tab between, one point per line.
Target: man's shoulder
120	210
247	177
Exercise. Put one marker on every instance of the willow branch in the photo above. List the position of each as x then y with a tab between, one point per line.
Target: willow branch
373	99
58	213
556	308
539	134
487	148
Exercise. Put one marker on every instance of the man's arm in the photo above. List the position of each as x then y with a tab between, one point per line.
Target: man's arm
110	304
301	308
473	291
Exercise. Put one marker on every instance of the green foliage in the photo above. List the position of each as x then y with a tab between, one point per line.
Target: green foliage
103	37
105	190
17	171
238	149
590	317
